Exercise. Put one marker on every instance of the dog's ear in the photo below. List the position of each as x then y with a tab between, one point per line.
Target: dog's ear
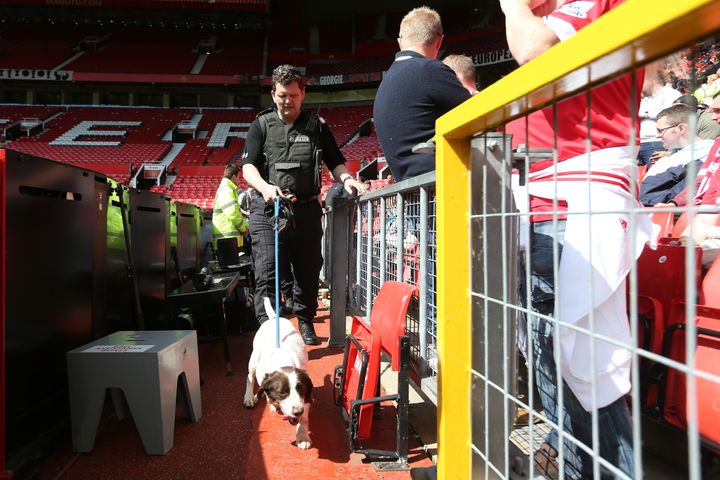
267	381
304	379
274	386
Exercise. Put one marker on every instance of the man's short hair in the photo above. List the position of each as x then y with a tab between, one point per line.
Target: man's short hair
462	65
231	170
285	75
421	26
676	113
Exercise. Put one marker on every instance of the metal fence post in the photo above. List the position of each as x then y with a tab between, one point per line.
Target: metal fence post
358	255
383	254
494	343
400	239
423	274
368	279
339	222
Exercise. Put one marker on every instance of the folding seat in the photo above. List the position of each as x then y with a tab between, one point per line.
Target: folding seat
357	380
660	285
680	225
674	398
711	286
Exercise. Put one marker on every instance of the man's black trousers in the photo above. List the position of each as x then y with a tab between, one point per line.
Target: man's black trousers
300	247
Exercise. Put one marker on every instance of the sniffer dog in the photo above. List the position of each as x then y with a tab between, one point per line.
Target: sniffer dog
281	374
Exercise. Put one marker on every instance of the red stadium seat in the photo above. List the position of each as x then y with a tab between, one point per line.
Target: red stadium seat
675	402
711	285
664	220
357	379
661	282
680	225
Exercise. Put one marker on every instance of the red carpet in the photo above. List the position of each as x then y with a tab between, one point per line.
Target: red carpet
232	442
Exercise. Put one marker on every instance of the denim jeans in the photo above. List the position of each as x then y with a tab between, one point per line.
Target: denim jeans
614	424
646	151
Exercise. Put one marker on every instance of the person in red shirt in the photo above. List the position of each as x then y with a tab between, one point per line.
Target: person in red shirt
606	120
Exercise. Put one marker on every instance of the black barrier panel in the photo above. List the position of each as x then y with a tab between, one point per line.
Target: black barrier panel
49	288
149	227
113	299
188	240
173	271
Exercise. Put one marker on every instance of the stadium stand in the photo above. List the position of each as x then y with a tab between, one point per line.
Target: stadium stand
345	121
194	152
197	189
36	48
368	65
135	145
236	53
11	114
204	151
335	40
364	148
141	51
133	136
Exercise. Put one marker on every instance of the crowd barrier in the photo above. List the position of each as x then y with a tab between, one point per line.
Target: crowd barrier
480	399
388	234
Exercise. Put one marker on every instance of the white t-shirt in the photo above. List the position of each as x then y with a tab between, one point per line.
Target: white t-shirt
650	106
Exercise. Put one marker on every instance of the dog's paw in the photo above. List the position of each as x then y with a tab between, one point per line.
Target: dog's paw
304	444
272	408
250	401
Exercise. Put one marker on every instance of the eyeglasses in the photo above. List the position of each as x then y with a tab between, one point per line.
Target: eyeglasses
716	111
661	131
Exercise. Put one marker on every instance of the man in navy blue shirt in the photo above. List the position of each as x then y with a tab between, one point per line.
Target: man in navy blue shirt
416	90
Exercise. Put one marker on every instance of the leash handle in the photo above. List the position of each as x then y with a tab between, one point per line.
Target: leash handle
277	273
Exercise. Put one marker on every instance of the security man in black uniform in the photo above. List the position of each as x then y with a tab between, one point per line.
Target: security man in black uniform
283	151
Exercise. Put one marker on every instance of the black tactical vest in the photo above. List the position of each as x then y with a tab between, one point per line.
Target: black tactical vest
292	154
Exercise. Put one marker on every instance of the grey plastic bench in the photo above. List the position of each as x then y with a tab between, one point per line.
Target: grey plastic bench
145	366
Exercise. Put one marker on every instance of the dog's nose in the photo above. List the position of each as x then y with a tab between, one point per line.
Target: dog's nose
297	411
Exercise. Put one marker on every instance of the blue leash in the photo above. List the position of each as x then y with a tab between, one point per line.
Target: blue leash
277	274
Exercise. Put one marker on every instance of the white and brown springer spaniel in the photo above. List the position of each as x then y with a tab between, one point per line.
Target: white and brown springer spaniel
281	374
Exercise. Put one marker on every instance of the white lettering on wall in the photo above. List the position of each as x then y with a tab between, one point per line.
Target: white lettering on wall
72	138
489	58
223	131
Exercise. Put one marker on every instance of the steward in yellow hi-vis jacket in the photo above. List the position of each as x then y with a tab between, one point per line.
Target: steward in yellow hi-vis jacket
228	221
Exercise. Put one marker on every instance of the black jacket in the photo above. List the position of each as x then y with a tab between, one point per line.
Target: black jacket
666	185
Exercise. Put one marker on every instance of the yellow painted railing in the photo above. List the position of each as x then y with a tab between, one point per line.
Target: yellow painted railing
628	37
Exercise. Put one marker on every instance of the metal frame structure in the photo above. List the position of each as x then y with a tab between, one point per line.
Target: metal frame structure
3	473
632	35
395	239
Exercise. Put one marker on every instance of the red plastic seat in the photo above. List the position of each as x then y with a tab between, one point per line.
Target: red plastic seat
661	282
357	379
711	285
680	225
361	377
664	220
388	317
675	406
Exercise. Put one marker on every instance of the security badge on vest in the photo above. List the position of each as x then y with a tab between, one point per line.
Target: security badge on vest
292	153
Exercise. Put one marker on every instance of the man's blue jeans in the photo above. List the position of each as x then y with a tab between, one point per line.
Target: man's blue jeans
614	424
